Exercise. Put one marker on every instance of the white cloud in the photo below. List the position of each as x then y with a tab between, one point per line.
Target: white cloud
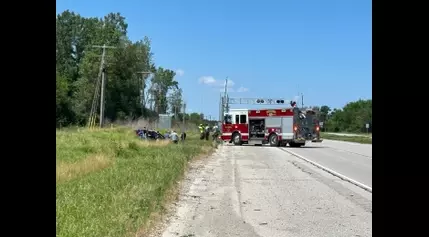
242	89
208	80
180	72
219	85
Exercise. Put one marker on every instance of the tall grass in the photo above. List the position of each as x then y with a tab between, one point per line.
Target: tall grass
357	139
109	182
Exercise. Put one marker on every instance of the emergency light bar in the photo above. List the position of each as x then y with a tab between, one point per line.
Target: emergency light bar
258	101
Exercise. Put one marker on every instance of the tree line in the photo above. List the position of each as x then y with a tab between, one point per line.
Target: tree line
353	117
130	92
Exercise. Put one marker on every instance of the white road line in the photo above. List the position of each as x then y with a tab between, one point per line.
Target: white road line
343	177
350	152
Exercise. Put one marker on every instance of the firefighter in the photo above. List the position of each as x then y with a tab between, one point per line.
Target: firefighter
216	132
201	128
207	131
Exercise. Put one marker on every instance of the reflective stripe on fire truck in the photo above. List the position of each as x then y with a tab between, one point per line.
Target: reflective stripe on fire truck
229	134
284	135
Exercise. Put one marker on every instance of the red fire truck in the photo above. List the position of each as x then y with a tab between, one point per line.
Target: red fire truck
276	127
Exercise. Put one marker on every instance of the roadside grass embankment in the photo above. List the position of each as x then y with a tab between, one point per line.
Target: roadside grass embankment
357	139
111	183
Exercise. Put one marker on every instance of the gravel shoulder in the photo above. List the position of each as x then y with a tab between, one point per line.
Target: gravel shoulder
264	191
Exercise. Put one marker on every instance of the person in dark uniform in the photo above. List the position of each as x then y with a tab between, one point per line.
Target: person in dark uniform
207	131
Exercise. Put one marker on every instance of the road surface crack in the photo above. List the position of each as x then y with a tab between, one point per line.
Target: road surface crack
300	168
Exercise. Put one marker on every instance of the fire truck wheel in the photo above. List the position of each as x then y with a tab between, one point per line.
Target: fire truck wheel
236	139
273	140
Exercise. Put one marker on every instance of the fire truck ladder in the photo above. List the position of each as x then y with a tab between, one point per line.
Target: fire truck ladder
260	101
226	101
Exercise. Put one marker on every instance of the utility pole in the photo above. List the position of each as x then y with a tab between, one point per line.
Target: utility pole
159	99
183	117
302	100
223	103
103	80
220	107
226	96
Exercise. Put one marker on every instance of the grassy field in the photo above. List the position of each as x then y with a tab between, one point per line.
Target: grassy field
110	183
358	139
357	133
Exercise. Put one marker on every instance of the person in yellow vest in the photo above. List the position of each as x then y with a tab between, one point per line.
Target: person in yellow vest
201	128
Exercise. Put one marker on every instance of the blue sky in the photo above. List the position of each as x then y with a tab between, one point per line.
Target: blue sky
271	48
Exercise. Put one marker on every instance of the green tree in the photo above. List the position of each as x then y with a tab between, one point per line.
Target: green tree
176	101
162	82
62	101
78	70
352	118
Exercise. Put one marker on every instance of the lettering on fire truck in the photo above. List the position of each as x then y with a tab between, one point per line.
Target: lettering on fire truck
228	128
271	112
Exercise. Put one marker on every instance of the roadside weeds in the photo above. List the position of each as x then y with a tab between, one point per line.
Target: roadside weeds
110	183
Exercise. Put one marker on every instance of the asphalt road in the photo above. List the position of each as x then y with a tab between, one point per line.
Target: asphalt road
265	191
352	160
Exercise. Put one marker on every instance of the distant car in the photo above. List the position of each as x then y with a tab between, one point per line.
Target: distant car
149	134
